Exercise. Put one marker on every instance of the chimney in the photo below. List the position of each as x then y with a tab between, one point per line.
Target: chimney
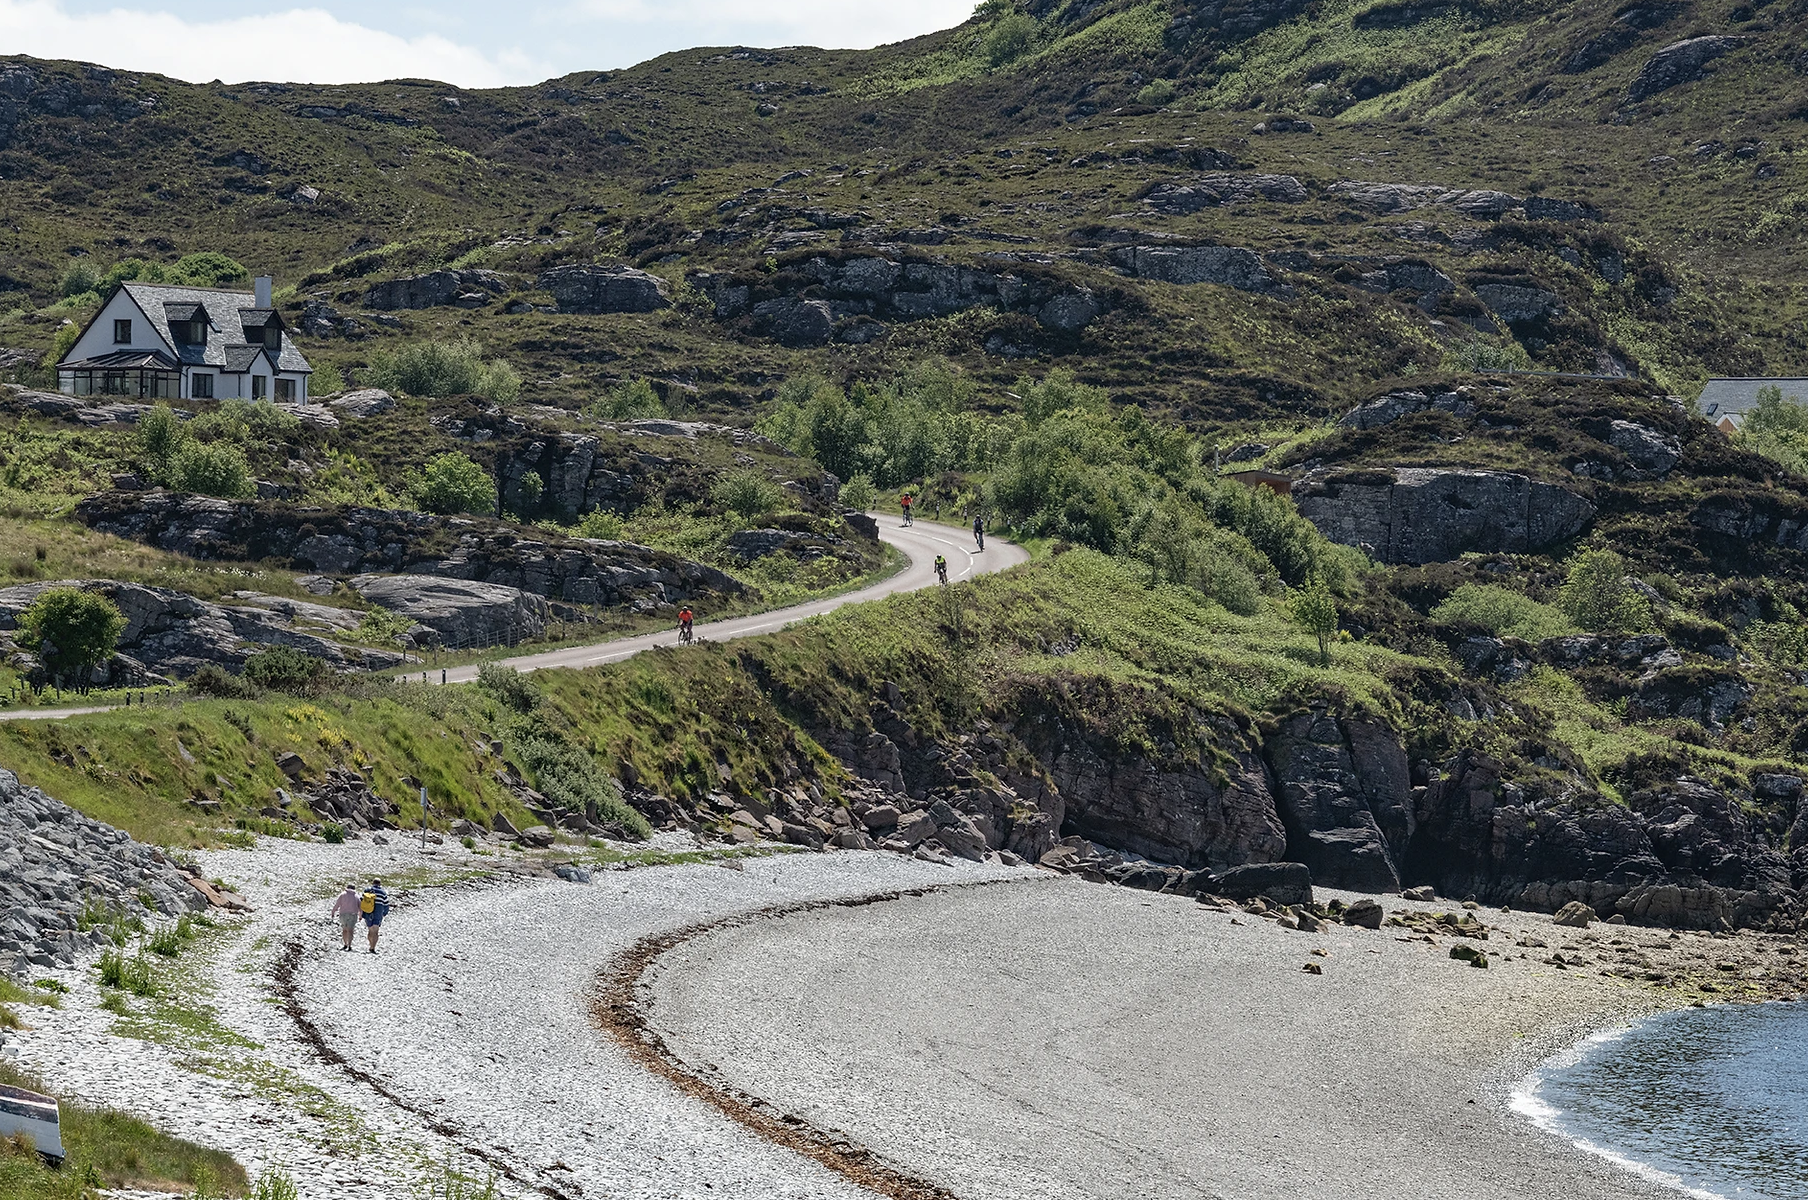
261	286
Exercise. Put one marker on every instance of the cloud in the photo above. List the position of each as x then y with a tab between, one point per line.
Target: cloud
841	24
297	45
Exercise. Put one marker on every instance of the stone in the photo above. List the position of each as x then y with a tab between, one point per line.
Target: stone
537	836
501	824
1313	968
880	817
364	402
435	289
1416	515
291	764
1678	63
1394	405
459	612
915	828
1648	449
795	323
1516	304
1424	895
571	873
589	288
1283	883
1227	266
1179	198
1472	955
1343	793
1364	914
1575	914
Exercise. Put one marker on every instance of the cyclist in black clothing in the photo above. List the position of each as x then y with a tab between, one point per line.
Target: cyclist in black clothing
979	531
941	569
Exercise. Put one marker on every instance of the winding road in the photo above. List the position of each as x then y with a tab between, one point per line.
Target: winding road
920	543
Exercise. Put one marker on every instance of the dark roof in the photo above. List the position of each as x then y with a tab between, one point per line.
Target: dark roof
240	358
223	309
123	360
258	316
186	310
1736	397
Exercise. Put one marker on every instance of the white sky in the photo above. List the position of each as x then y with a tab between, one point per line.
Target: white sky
473	43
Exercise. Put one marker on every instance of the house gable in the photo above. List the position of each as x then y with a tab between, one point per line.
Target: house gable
96	338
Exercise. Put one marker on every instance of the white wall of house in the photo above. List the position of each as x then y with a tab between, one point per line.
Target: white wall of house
98	340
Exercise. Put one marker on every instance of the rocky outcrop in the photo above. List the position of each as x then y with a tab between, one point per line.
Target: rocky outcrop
1186	814
1518	304
436	289
365	402
458	613
1650	451
1394	405
1175	198
53	860
85	410
173	634
1678	63
819	299
598	289
1481	204
1421	514
1344	793
352	541
1227	266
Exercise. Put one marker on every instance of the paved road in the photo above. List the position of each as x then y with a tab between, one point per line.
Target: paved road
920	543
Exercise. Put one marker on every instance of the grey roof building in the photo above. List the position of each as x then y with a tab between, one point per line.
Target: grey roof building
1726	401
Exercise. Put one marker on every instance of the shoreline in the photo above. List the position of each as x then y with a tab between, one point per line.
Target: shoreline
1407	1041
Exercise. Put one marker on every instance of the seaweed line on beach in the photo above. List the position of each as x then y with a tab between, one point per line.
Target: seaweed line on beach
618	1012
284	978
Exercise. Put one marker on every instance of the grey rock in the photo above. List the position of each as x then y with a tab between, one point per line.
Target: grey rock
1677	63
435	289
572	874
749	544
604	289
460	612
1515	304
1364	914
796	323
1175	198
1344	794
1281	882
1423	514
538	836
365	402
1575	915
1648	449
1227	266
1394	405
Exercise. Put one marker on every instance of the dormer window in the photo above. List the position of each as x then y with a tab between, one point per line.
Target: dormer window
189	333
122	331
273	336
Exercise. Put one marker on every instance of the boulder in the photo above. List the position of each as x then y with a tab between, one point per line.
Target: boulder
1649	450
460	612
1678	63
1518	304
796	323
1473	955
1177	198
1417	515
1281	882
1227	266
600	289
1424	895
435	289
538	836
365	402
1394	405
1364	914
1575	914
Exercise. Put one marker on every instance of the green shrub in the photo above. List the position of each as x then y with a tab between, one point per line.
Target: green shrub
859	493
528	492
71	629
332	833
160	435
747	493
1502	612
169	939
601	525
452	483
327	380
1010	39
379	627
213	680
126	974
1598	598
1777	428
286	669
1156	93
440	368
569	777
218	469
509	686
627	401
274	1183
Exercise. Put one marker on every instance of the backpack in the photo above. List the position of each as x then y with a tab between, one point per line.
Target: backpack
367	902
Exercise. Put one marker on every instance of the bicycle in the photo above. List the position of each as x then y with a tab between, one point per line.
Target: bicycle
941	570
979	533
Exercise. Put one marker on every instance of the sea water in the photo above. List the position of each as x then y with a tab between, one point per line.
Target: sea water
1712	1101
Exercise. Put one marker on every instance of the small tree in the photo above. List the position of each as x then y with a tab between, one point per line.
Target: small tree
71	629
626	401
1597	597
452	483
1010	39
746	493
858	493
285	669
1315	609
219	469
160	436
527	493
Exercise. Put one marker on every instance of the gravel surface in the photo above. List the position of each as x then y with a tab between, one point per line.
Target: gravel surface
1054	1038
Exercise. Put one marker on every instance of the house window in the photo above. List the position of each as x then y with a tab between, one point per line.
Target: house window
273	336
285	391
122	331
190	333
260	385
201	386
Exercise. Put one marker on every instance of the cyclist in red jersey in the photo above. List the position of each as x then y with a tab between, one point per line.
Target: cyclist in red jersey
684	623
905	502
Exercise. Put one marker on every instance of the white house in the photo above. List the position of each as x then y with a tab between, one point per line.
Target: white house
157	341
